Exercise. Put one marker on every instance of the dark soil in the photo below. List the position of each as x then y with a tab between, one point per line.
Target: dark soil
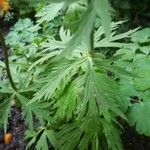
17	128
133	141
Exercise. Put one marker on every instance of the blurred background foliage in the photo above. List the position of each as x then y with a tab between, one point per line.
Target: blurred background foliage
36	40
135	11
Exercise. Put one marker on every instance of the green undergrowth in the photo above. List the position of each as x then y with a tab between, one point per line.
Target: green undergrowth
70	91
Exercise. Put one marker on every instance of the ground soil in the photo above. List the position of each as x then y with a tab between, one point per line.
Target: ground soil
17	128
131	139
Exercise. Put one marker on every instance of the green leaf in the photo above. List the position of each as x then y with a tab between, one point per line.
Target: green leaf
42	142
128	54
69	100
23	32
56	77
142	69
49	12
100	96
142	36
145	49
40	110
113	41
44	59
127	34
138	116
84	30
5	108
103	10
31	136
142	83
69	136
112	136
92	131
5	88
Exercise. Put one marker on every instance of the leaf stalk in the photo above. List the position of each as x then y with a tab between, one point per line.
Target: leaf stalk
6	60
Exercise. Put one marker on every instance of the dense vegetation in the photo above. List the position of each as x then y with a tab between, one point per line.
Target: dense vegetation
77	72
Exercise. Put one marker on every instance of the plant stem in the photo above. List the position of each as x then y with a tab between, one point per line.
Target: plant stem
91	40
88	1
5	52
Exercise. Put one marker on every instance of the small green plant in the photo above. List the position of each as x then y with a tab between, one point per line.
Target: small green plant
21	36
25	7
65	83
136	89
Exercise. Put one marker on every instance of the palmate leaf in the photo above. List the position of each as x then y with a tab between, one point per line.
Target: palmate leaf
5	108
83	32
42	143
106	65
69	136
84	94
103	10
127	90
53	47
128	54
89	133
69	100
40	110
62	73
49	12
44	139
138	113
23	32
81	88
74	12
114	38
32	135
138	116
44	59
5	87
142	36
112	136
142	69
99	94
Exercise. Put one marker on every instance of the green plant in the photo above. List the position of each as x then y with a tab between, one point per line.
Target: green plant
21	36
25	7
65	86
136	89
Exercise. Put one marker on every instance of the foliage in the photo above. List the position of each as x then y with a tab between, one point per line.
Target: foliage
72	93
136	59
135	11
74	98
22	35
26	6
